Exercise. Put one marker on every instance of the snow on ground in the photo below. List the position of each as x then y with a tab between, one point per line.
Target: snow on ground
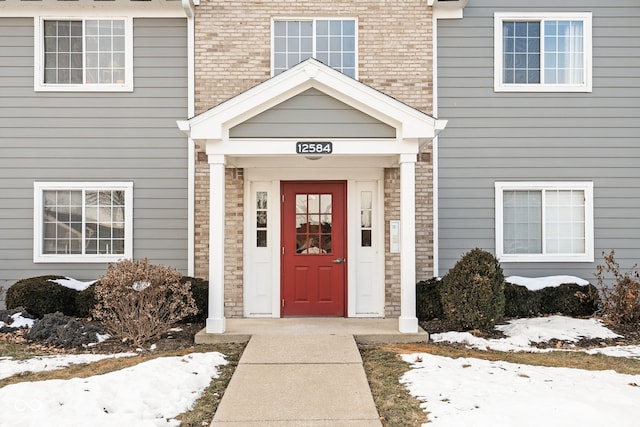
73	283
478	393
9	367
521	333
18	321
148	394
536	283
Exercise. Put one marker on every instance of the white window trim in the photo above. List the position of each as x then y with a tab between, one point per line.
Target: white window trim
314	19
38	223
499	17
585	186
38	55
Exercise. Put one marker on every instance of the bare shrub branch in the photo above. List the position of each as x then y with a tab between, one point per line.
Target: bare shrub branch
138	301
620	300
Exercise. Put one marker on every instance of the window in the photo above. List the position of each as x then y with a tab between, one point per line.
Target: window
331	41
544	221
366	209
82	222
77	54
549	53
261	219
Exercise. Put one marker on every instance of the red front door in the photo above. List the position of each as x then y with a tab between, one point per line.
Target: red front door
313	248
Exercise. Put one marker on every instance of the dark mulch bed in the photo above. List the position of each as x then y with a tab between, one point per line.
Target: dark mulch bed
630	335
182	337
171	340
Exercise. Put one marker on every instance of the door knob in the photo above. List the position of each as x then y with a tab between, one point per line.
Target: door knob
339	260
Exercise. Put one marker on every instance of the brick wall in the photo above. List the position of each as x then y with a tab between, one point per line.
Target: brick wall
392	261
233	237
232	51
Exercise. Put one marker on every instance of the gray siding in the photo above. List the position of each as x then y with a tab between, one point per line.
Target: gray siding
312	114
539	136
49	136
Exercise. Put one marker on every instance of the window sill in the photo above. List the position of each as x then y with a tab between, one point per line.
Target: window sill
545	258
542	88
83	88
73	259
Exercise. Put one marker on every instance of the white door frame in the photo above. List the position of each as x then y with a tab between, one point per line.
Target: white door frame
269	179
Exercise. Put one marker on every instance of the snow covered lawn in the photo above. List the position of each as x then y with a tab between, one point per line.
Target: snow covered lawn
149	394
477	393
9	367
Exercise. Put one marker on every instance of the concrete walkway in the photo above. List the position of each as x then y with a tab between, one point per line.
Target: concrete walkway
299	379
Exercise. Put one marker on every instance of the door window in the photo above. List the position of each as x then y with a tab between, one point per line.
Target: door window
314	220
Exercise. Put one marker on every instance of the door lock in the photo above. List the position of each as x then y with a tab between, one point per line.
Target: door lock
339	260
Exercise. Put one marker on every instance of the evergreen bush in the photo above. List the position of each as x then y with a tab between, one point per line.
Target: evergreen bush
428	304
138	301
40	296
472	292
568	299
520	301
86	301
58	330
200	293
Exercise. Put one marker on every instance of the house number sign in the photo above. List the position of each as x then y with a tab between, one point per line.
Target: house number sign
324	147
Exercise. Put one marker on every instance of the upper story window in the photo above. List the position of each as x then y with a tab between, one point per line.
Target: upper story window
544	221
92	54
331	41
82	222
545	53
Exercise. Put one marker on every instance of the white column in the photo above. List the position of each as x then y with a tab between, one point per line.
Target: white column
408	321
216	320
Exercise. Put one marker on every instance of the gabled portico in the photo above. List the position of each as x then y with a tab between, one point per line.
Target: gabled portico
361	131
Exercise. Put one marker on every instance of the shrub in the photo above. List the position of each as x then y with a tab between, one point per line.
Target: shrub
58	330
568	299
40	296
86	301
519	301
138	301
619	302
428	304
200	293
472	292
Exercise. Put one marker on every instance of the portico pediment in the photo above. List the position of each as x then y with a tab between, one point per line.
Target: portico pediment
381	115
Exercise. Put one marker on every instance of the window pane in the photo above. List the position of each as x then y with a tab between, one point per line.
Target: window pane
261	199
62	224
521	52
522	232
564	52
293	28
279	28
313	203
365	219
365	238
261	238
261	219
565	221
